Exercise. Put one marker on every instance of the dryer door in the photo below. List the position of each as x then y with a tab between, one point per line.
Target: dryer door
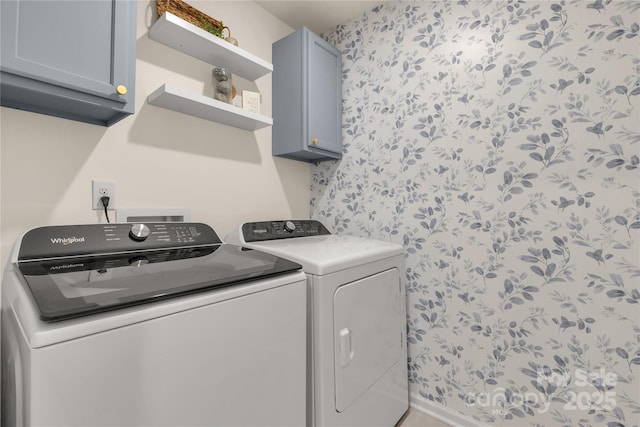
367	334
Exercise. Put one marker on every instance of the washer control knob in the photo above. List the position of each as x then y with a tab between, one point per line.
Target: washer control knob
289	226
139	232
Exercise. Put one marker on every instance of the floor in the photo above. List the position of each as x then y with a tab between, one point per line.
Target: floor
415	418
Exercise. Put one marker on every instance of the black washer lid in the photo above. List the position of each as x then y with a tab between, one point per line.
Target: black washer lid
78	270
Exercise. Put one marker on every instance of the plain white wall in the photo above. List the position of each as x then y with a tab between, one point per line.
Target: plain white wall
157	157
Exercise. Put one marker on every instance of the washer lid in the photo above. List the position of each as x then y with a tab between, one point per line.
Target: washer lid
327	254
77	286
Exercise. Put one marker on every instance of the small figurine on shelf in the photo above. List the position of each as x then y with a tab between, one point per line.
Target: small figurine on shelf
222	85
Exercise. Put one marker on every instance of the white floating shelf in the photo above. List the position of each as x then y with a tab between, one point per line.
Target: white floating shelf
186	37
182	101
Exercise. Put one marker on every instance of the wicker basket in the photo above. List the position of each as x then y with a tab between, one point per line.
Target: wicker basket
189	13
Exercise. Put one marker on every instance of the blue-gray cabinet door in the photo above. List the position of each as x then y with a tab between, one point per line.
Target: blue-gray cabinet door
307	98
69	55
324	99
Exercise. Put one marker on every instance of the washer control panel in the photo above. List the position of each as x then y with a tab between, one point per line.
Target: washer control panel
88	239
285	229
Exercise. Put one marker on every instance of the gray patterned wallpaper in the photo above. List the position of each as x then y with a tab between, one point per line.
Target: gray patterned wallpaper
498	141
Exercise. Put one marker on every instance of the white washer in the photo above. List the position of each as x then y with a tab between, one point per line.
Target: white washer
357	324
150	325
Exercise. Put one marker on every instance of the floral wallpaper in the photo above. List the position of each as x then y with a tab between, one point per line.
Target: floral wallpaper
499	142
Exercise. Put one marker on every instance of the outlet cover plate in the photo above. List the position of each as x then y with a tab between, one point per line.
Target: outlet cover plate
102	188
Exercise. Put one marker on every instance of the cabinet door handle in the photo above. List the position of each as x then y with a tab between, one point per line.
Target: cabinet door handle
314	141
121	89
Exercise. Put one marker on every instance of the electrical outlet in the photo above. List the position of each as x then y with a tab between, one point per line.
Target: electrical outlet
100	189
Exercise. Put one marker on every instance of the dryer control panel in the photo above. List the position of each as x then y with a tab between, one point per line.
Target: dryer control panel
71	240
284	229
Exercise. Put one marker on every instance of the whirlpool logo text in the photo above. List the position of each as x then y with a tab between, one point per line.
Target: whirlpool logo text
67	240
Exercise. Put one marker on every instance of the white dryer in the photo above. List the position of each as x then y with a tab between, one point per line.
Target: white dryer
357	362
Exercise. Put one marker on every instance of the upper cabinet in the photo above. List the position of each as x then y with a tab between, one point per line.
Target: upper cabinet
74	60
307	98
196	42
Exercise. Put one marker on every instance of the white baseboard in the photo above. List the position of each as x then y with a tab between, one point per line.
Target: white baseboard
442	413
